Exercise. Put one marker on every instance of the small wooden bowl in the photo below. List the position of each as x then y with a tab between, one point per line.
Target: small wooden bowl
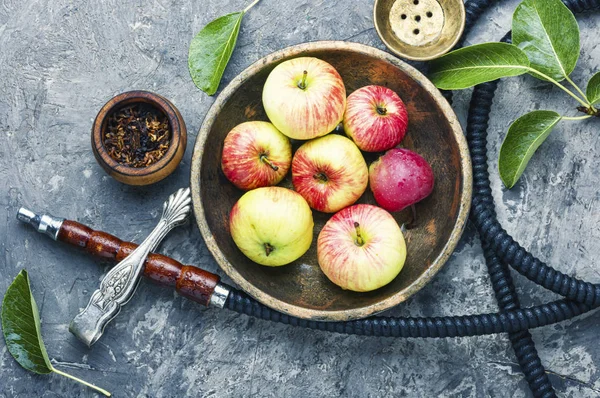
156	171
300	288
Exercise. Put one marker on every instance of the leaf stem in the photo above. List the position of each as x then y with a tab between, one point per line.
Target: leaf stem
250	6
578	90
85	383
576	117
566	90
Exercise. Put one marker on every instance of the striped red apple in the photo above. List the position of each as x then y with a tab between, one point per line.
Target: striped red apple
329	172
361	248
375	118
304	98
255	154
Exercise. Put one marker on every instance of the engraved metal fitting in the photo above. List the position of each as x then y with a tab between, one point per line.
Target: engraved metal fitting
44	223
219	296
119	284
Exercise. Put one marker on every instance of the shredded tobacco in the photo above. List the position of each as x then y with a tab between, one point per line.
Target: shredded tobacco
137	135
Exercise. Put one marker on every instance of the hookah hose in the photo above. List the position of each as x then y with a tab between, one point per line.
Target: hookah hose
500	250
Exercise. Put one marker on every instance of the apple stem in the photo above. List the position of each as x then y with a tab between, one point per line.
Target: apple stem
302	84
381	110
268	249
263	158
359	239
321	176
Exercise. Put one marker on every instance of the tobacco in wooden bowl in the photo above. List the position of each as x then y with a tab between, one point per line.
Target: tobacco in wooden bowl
130	111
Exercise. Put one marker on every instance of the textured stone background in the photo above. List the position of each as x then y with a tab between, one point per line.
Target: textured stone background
61	60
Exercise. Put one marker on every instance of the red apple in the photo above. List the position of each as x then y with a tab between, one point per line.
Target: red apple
304	98
400	178
375	118
361	248
255	154
329	172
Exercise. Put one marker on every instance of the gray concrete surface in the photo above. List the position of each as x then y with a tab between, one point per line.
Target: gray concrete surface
61	60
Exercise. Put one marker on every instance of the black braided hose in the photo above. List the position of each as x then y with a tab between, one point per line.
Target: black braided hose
502	282
499	249
521	342
509	321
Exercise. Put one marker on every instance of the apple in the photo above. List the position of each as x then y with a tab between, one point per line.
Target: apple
361	248
329	172
255	154
375	118
271	225
304	98
400	178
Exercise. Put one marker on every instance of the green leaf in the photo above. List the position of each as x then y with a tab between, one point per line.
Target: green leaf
21	327
211	49
592	91
477	64
548	33
22	331
524	137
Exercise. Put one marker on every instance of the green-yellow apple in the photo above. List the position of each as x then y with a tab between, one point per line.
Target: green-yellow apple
361	248
375	118
329	172
271	225
304	98
255	154
400	178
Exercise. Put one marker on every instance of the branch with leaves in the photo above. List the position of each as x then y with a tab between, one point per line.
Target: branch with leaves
545	38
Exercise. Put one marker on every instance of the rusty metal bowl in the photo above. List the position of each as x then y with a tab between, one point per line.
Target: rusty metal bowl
300	288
